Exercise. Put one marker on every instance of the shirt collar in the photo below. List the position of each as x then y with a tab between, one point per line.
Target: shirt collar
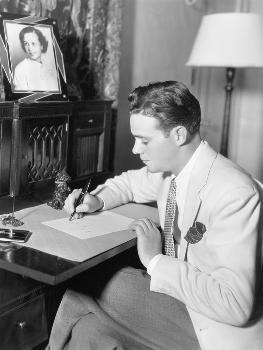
190	164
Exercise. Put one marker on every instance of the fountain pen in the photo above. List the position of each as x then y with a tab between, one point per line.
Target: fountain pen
84	191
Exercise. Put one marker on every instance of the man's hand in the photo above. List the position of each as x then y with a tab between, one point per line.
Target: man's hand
149	241
90	204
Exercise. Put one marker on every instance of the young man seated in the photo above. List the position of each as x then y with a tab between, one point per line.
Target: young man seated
201	270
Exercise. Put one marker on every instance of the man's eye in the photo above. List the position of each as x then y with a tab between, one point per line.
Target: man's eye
144	142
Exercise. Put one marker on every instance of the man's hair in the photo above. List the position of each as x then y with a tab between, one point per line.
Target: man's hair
30	29
170	102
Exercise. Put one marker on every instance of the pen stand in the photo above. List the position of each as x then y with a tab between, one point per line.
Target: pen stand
10	219
62	190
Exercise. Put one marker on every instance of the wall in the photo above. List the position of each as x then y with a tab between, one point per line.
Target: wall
157	36
209	84
248	115
246	125
157	39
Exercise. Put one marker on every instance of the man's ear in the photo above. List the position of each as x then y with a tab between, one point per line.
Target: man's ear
180	135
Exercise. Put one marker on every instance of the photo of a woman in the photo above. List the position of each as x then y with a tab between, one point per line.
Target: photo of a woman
33	73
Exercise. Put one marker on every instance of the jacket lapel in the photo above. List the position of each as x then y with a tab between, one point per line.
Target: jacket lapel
197	182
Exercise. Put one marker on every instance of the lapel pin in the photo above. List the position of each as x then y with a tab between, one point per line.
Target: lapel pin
195	233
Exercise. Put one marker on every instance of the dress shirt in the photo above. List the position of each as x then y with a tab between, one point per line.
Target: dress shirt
182	181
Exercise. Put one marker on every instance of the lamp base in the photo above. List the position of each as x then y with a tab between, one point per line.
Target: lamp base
230	75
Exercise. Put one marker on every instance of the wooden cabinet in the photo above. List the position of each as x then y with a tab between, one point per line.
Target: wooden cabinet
33	140
39	139
89	141
23	323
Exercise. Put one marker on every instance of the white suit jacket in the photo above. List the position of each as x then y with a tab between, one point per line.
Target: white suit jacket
217	277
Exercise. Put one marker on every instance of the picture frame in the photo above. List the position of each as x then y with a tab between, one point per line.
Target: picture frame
31	60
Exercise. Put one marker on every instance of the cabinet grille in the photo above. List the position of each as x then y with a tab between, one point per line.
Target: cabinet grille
87	154
45	152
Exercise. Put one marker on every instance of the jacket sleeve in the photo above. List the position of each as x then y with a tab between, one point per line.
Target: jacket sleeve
138	186
224	291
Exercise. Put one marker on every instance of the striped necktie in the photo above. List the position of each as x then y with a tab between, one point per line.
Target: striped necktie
171	207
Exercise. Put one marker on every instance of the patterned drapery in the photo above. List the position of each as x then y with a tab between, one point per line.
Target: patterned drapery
89	33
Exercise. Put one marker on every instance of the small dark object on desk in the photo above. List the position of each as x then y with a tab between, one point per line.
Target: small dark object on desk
14	235
11	220
62	190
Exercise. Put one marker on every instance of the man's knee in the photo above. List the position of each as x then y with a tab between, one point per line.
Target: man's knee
89	333
76	304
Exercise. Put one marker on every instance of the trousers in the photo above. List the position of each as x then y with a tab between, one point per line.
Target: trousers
121	313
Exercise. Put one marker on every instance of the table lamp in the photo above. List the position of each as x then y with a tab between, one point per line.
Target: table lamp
230	40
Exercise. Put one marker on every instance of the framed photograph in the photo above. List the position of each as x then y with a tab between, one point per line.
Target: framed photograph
31	59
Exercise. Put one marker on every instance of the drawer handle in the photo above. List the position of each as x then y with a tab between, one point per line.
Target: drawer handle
21	324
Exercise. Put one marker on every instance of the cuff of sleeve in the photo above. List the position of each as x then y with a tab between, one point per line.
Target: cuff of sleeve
103	203
96	193
106	195
153	263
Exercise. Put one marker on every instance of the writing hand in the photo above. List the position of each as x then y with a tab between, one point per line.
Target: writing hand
90	204
149	241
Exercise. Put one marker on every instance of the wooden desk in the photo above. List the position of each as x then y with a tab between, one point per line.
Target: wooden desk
32	285
52	270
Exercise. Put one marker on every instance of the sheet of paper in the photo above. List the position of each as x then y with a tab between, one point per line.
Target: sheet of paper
92	225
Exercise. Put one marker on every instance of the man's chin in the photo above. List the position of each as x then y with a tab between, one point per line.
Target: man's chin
151	169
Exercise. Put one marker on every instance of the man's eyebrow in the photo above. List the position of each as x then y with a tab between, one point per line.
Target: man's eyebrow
141	136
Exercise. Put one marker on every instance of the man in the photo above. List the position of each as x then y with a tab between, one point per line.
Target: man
205	261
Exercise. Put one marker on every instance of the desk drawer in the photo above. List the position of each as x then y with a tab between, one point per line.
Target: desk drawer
87	120
25	326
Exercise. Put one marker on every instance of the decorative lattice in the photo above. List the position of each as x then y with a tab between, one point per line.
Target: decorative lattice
45	152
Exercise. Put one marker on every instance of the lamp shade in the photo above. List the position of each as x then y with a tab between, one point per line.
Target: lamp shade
229	40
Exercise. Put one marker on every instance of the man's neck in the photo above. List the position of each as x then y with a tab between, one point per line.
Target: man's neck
186	153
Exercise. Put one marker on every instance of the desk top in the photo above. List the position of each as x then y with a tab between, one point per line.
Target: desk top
52	269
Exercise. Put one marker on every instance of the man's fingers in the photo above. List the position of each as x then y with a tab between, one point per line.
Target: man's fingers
83	208
138	224
145	224
77	216
150	224
69	204
137	228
